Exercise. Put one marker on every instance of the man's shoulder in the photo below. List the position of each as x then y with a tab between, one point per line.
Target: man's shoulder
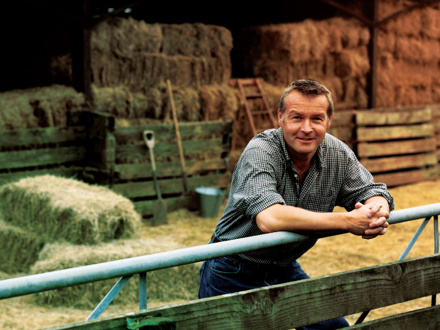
333	142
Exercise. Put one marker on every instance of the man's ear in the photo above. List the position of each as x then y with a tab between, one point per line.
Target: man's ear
280	117
329	123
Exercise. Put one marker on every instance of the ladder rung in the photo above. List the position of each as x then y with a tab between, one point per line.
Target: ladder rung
249	96
259	112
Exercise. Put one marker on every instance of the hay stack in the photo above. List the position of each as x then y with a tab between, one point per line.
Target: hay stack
20	248
331	51
165	285
58	209
38	107
140	55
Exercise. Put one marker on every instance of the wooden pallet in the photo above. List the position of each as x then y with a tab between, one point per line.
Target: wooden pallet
397	146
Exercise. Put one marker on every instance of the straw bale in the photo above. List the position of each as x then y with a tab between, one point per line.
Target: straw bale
417	50
165	285
141	55
20	248
409	23
38	107
57	208
219	102
430	18
352	63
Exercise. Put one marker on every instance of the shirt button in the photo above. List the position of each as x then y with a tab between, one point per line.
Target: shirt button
296	176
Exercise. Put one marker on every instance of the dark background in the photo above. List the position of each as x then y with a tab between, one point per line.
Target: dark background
33	31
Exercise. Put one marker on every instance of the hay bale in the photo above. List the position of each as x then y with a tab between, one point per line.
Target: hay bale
165	285
38	107
219	101
58	208
20	248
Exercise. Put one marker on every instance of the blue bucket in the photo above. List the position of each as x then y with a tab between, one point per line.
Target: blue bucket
210	200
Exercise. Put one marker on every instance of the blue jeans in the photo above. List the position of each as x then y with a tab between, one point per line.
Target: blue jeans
227	275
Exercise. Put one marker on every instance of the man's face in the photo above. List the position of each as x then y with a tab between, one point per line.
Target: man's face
305	123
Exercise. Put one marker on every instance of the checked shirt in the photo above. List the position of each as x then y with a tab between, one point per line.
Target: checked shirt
265	175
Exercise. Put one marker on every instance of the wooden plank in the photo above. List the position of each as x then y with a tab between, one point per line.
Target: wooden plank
39	136
167	169
406	177
395	147
394	132
343	133
187	130
189	201
167	185
400	162
383	118
425	318
292	305
131	153
343	118
41	157
67	172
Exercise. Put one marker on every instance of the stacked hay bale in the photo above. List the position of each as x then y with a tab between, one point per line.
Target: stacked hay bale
131	61
38	107
409	48
333	51
50	223
44	209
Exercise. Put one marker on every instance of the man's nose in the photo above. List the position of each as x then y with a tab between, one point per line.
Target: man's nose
306	126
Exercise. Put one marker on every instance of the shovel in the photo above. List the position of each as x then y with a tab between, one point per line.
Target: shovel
160	206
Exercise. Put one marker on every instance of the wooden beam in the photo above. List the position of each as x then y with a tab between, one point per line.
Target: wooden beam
292	305
81	54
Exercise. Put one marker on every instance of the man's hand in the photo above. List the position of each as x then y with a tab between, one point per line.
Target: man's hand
378	224
369	220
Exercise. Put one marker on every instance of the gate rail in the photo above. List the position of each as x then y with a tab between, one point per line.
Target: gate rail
126	268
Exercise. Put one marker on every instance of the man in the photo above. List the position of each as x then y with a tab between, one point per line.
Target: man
290	179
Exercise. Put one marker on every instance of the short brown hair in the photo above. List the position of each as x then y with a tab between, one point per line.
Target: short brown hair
307	87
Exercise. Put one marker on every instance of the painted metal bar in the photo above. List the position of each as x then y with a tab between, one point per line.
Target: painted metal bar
414	239
142	291
436	249
109	297
91	273
422	226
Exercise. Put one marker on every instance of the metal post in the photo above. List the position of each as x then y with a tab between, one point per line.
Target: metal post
142	291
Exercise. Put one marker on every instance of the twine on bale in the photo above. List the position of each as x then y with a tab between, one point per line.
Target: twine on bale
57	208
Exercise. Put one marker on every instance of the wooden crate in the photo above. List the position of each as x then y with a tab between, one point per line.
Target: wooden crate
37	151
397	146
124	162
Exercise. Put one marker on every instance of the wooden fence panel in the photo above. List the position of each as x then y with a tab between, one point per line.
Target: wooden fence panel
296	304
398	146
206	147
38	151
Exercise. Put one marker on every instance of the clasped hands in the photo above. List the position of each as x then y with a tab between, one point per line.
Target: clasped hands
371	221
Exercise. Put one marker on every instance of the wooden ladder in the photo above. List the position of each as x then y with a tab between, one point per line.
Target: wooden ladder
257	111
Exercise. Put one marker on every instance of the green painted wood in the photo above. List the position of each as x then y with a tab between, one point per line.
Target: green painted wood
41	157
425	318
189	201
169	169
67	172
191	130
132	153
167	185
296	304
41	136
